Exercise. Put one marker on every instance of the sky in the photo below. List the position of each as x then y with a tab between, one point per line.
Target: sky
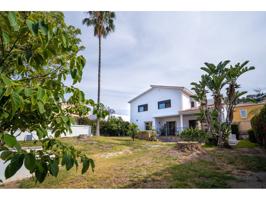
168	48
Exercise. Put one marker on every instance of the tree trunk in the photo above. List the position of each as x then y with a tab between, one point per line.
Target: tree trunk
184	146
99	89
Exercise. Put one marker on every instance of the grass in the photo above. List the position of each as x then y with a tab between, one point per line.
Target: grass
246	144
122	163
30	143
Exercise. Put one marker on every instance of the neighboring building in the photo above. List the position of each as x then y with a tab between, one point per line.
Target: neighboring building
243	113
167	109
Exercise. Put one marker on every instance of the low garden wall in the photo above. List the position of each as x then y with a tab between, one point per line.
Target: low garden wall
147	135
76	131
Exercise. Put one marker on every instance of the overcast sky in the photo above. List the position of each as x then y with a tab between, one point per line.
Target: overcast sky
169	48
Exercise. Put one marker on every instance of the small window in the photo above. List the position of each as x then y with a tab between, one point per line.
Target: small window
142	108
164	104
243	113
148	126
192	103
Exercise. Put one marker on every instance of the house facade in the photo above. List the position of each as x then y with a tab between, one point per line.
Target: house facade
167	109
243	113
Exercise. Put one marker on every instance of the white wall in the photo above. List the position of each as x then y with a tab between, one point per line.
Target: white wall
186	119
151	98
22	173
76	131
186	102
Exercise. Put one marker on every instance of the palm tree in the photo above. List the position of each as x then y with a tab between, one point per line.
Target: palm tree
103	24
232	74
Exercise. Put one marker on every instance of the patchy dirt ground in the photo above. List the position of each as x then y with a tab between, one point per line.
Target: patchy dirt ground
122	163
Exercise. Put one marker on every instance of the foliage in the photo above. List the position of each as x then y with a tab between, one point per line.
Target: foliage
235	130
133	130
84	121
100	111
251	136
216	79
38	51
246	144
192	134
150	135
258	123
115	126
259	96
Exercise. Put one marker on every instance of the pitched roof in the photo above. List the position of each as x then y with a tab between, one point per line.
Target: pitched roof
251	104
183	89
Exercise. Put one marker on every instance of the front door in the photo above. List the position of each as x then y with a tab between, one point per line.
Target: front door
170	128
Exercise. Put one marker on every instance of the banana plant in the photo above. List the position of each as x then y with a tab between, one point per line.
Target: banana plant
232	75
214	81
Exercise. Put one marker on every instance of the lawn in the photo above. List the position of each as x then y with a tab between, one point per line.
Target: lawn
122	163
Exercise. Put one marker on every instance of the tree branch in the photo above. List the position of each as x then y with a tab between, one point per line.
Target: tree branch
11	49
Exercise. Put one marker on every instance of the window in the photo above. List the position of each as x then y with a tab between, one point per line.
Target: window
192	103
243	113
148	126
164	104
142	108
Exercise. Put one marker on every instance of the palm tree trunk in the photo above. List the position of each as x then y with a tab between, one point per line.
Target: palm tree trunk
99	89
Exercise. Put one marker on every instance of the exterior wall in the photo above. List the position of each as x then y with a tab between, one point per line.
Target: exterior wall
244	123
186	119
76	131
152	98
186	102
251	110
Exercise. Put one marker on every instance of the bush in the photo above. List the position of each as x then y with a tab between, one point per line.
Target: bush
258	123
211	141
251	136
115	126
235	130
192	134
147	135
133	130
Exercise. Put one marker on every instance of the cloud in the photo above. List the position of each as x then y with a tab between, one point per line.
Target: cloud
169	48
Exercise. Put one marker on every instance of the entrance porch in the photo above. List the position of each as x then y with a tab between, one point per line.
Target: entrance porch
174	125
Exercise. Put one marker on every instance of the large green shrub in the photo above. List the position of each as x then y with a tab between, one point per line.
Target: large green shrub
115	126
258	123
192	134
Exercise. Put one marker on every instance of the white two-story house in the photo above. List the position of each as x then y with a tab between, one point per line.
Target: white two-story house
167	109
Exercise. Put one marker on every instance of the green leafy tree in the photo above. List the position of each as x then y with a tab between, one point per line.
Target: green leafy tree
258	123
38	51
114	126
103	24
